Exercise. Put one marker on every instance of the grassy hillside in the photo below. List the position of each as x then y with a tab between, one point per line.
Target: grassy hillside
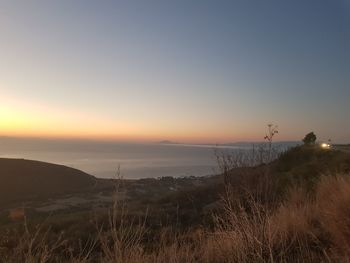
22	180
298	167
295	209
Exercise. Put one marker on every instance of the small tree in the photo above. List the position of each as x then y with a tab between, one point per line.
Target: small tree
310	139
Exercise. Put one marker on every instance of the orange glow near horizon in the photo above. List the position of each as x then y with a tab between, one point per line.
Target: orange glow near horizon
29	119
24	120
18	121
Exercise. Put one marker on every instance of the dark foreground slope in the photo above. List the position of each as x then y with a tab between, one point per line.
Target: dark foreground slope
25	179
294	209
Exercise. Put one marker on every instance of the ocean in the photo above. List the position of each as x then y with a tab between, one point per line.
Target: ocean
102	159
136	160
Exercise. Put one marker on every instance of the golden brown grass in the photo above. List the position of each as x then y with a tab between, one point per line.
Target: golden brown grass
306	227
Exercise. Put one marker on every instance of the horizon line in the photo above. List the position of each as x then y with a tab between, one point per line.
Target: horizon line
160	141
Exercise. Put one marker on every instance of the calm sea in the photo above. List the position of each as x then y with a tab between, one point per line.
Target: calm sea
102	159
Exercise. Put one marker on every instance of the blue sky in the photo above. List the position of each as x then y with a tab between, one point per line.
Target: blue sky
208	71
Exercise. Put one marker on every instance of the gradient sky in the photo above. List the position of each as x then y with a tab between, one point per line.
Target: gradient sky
184	70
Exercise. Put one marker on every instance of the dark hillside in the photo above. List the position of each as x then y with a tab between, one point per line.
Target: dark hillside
25	180
300	166
304	165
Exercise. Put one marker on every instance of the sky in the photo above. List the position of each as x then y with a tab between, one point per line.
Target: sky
182	70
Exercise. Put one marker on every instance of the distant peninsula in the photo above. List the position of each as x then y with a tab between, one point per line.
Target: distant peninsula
167	142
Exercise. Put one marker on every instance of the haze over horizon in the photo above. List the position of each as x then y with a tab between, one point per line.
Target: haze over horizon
186	71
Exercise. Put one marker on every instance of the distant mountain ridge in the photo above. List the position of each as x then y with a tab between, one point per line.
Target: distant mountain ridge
167	142
244	144
277	143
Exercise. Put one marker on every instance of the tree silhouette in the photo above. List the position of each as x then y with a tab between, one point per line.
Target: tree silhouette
310	138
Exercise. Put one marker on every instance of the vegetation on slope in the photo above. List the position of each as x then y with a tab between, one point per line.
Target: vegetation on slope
295	209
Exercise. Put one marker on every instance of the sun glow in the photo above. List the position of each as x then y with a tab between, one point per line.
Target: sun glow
35	119
22	119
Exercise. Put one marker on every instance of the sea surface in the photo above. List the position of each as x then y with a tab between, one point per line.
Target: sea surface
135	160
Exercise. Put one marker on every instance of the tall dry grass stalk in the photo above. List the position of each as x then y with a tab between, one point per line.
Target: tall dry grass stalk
122	241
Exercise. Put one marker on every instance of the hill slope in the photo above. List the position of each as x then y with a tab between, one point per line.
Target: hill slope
25	179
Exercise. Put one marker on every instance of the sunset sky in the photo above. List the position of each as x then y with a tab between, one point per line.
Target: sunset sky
190	71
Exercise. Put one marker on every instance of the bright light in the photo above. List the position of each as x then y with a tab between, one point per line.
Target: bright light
325	146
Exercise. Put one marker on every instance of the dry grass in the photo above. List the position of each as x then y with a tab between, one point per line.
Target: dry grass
304	228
